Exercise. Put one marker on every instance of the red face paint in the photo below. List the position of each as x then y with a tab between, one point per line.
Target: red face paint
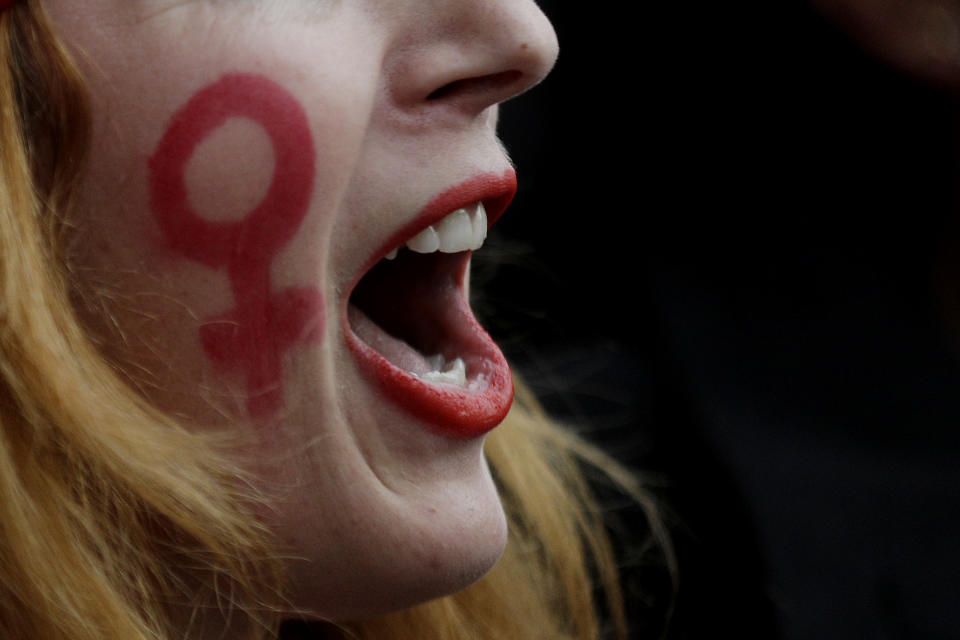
253	336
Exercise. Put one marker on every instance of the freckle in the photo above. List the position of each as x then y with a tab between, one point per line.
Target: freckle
524	46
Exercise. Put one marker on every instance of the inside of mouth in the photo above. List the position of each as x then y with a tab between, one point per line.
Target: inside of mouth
401	308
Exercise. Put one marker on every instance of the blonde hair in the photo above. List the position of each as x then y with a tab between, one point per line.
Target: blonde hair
116	522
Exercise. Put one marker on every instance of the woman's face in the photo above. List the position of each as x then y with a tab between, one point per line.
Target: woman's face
251	162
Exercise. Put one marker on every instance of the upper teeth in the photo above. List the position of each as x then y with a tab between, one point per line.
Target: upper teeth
464	229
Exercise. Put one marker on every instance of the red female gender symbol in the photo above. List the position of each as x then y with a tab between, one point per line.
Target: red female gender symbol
251	337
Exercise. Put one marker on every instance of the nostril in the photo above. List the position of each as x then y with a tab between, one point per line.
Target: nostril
491	85
473	56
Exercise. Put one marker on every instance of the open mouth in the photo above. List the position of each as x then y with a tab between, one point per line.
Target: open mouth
410	323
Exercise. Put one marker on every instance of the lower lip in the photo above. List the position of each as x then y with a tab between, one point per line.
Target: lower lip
450	410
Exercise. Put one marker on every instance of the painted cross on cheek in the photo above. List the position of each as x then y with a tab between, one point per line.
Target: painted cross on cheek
264	324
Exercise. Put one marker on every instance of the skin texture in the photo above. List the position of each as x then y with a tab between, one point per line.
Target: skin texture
253	336
376	511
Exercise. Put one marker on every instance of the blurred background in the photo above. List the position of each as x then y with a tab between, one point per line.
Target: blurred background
734	261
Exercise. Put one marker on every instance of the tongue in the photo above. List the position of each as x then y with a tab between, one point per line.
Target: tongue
398	352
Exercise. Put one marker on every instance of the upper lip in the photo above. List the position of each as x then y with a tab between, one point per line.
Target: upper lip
494	190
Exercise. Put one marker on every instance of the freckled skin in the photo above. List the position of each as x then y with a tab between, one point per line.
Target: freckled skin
253	336
208	300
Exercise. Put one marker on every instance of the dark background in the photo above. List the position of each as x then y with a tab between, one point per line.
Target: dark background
733	259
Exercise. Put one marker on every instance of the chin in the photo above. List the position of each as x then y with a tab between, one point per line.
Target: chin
442	568
390	542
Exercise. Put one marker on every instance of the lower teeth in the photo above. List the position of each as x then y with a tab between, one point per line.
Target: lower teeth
454	373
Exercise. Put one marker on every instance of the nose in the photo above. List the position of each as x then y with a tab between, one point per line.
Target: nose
463	56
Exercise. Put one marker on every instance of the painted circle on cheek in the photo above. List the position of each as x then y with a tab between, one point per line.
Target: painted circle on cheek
239	153
252	337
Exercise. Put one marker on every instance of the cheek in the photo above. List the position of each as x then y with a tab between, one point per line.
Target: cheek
215	207
238	154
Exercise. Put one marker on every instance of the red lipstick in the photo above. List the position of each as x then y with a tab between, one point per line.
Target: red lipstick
479	406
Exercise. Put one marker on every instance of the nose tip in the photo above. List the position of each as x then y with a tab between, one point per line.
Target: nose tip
487	52
529	44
